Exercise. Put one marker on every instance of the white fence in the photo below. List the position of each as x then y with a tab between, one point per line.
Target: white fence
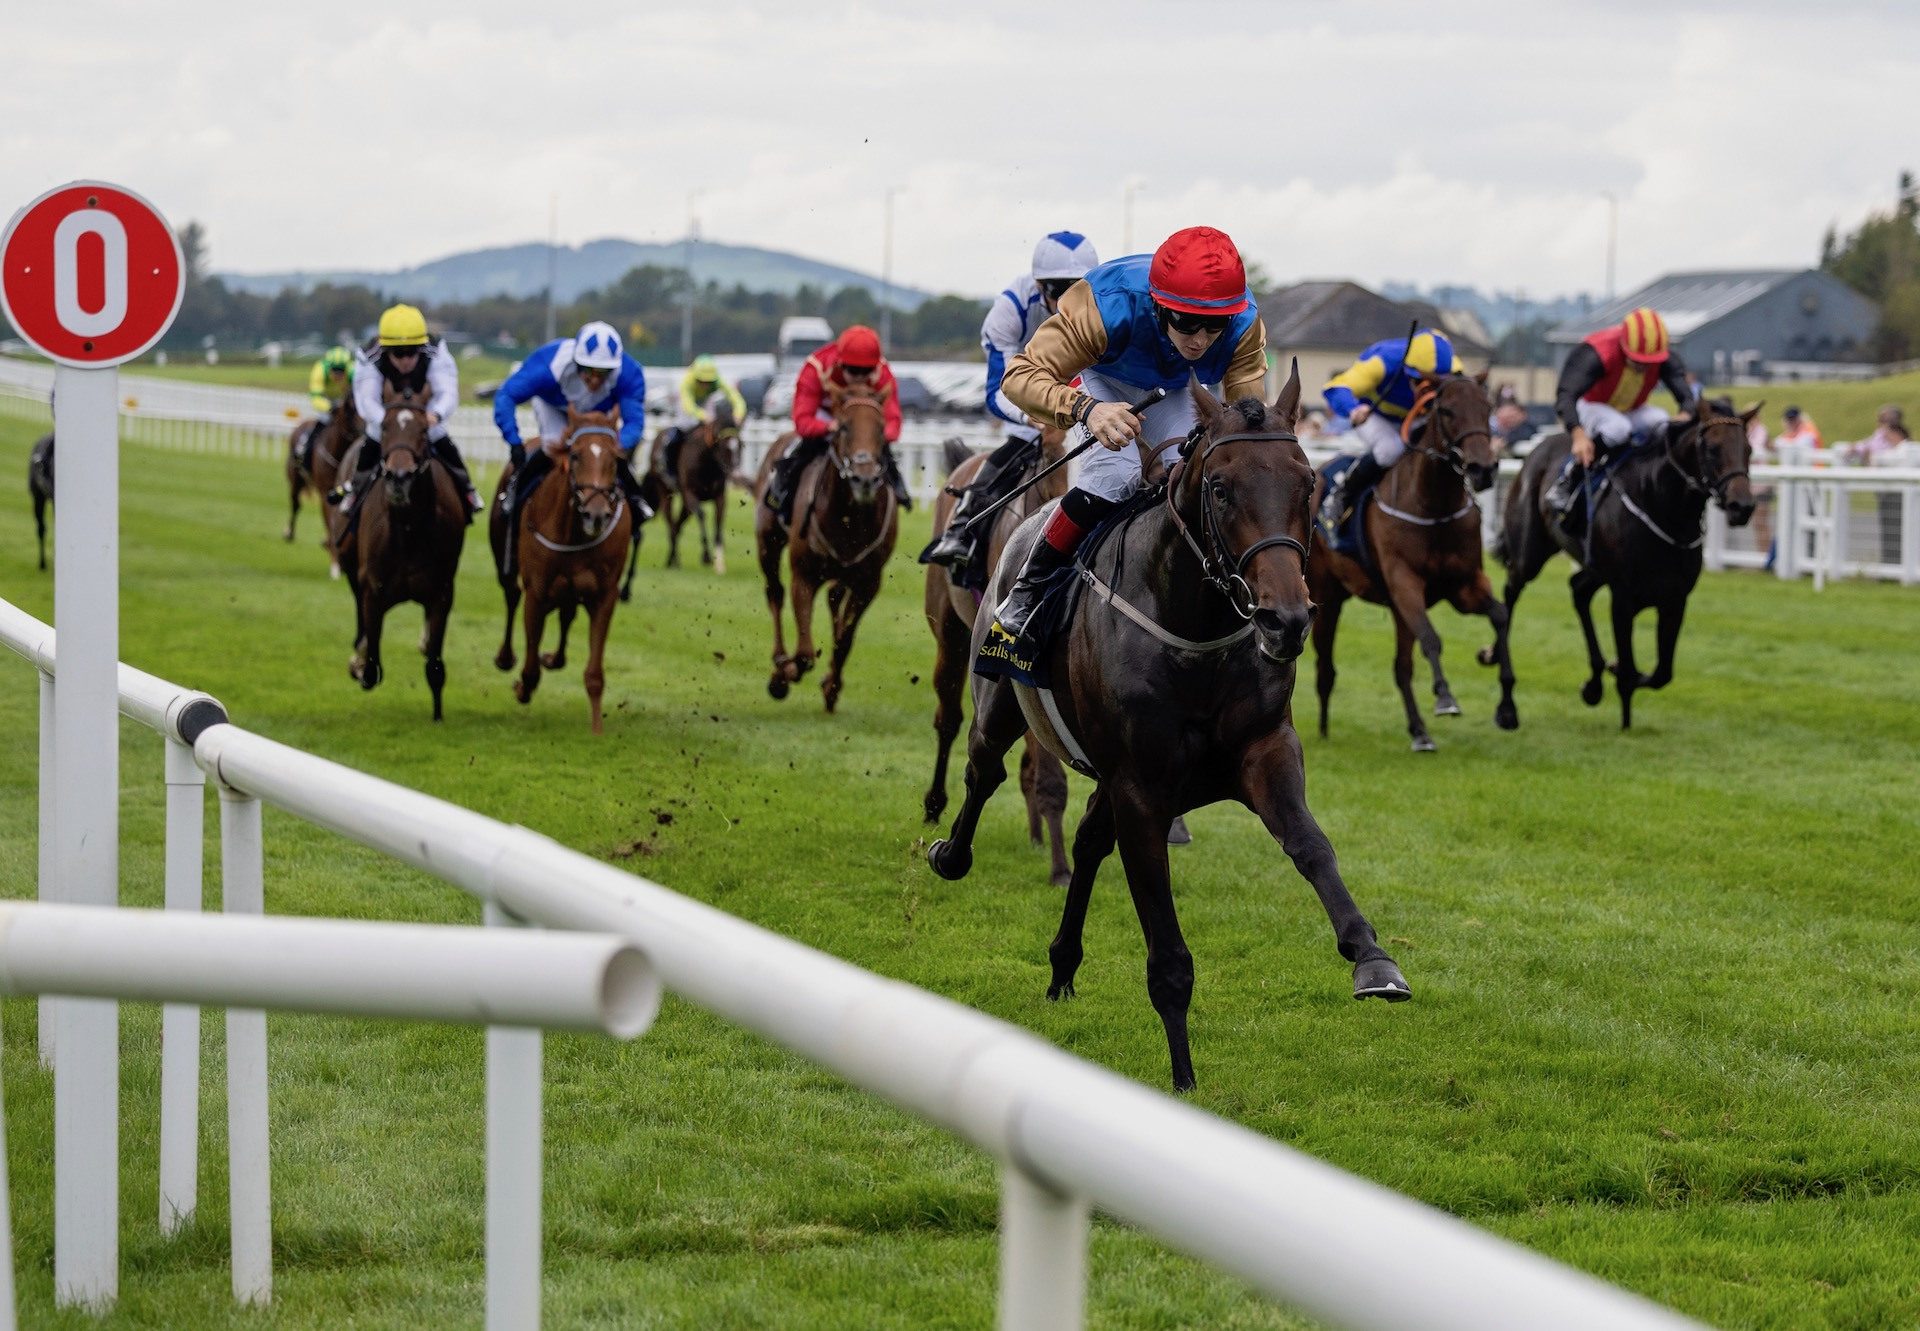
1069	1136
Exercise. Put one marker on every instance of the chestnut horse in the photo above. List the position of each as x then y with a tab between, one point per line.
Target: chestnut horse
951	610
705	462
1643	539
1422	535
405	545
1177	677
316	467
40	488
573	540
845	521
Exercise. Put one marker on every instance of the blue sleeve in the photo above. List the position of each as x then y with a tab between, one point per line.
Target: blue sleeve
1340	399
633	404
523	385
996	371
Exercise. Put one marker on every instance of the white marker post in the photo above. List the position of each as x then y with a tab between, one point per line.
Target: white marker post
90	275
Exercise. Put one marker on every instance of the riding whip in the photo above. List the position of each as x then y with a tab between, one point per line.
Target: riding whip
1138	409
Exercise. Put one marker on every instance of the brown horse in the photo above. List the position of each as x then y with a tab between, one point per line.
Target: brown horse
1422	536
573	539
314	452
40	488
405	544
1644	537
845	521
951	610
704	464
1177	679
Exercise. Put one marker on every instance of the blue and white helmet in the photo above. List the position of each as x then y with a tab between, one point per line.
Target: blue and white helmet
596	347
1063	254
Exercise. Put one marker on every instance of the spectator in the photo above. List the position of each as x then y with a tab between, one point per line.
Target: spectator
1509	422
1797	432
1313	427
1889	434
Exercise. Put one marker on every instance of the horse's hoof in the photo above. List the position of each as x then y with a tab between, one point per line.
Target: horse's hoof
1506	716
521	693
777	687
503	659
333	571
626	593
830	694
553	661
1177	833
950	861
370	676
1056	992
1486	657
720	563
1061	878
1591	692
1380	978
934	805
1424	744
1446	705
287	535
800	665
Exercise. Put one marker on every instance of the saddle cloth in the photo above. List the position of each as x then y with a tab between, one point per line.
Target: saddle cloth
1349	538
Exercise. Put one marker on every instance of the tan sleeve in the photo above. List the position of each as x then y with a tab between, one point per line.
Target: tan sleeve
1040	379
1247	372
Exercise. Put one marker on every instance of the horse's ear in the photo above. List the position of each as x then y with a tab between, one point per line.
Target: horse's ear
1205	403
1746	417
1286	407
1481	378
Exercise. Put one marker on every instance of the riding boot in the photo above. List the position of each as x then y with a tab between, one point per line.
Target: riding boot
897	481
786	475
1079	513
670	455
1339	501
359	465
1565	489
954	546
449	453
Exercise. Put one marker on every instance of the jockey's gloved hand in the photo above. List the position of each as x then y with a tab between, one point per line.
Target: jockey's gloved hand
436	433
517	455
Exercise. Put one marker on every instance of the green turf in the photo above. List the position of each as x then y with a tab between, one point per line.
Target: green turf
1665	982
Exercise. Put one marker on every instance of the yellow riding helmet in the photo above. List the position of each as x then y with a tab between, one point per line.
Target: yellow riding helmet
703	369
1429	354
403	326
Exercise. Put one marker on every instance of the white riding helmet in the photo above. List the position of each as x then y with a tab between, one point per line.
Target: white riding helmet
596	347
1063	254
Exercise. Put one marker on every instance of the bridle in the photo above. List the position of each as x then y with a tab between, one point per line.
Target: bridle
847	465
1422	424
583	493
1224	571
1706	481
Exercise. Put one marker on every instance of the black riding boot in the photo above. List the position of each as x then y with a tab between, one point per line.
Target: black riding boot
954	546
897	481
1340	500
1014	615
449	453
1565	490
630	487
786	474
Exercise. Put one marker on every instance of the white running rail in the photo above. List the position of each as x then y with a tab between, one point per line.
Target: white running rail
1069	1136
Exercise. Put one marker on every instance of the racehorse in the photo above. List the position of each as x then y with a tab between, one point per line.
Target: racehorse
1178	682
404	545
40	487
845	520
705	462
572	541
1643	537
951	610
315	450
1422	535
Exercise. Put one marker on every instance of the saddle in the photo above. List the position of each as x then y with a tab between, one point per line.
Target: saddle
1025	661
1349	538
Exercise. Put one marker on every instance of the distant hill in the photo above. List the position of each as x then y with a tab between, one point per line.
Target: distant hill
521	270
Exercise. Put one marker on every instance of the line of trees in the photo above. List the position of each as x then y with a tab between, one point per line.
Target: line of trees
1882	260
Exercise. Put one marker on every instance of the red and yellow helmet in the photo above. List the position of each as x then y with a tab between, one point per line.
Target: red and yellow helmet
1644	336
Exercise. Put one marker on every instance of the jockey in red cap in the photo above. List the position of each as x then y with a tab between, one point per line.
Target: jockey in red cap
1133	325
853	359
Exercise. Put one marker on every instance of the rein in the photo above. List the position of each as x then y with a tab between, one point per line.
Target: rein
582	493
1223	571
1714	487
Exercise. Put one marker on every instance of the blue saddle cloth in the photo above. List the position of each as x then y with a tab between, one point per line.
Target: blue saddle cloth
1025	659
1349	538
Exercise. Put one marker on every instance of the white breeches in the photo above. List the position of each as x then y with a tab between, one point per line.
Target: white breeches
1115	473
1382	438
1613	427
552	422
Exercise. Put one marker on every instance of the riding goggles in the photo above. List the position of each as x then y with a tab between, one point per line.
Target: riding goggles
1182	322
1056	287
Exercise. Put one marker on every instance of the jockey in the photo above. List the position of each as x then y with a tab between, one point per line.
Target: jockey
699	387
853	359
329	382
1059	260
1603	392
404	358
1374	395
589	371
1133	325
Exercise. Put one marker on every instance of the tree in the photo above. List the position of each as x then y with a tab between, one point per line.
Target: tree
1881	260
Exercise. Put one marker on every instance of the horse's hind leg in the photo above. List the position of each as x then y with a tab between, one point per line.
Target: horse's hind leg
1409	593
294	484
1326	626
847	604
533	616
40	526
949	688
510	588
1142	834
1626	676
557	658
1092	843
1273	783
676	516
700	518
633	559
1477	599
432	642
1044	782
997	724
1583	586
1403	679
1672	613
720	533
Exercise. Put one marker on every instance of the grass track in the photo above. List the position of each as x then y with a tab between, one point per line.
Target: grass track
1665	981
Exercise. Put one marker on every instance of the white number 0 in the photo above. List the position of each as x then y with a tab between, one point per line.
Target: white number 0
66	273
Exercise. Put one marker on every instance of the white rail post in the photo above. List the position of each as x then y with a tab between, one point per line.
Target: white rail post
49	878
86	820
243	892
513	1170
7	1322
1043	1255
180	1022
1909	535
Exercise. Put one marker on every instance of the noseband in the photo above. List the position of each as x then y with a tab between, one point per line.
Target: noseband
582	493
1422	423
1224	571
1702	483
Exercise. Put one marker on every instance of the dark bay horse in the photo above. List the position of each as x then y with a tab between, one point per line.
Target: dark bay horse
1644	537
1423	540
405	545
315	449
1218	567
845	521
703	465
573	540
40	488
951	610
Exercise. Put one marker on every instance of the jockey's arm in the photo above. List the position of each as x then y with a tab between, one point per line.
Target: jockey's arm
1673	377
366	396
891	407
1000	336
690	400
520	387
1354	386
733	396
631	392
443	387
1247	371
1582	371
1039	380
808	423
317	394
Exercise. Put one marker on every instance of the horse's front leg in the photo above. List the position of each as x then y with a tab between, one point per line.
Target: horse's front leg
1408	591
1626	676
676	519
1326	628
1403	680
1140	827
1477	598
847	604
997	723
595	675
373	614
805	590
700	518
432	643
1584	585
633	559
557	658
770	550
533	615
720	533
1672	613
1092	843
1273	783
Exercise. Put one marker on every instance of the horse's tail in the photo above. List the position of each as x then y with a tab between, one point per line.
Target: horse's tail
954	451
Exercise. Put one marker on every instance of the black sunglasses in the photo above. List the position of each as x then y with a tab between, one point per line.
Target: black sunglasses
1182	322
1056	287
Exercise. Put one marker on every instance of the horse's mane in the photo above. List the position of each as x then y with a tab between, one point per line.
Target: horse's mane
1252	411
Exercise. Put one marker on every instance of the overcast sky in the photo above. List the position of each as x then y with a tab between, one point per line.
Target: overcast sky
1468	143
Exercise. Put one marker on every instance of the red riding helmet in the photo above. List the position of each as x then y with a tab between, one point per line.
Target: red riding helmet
860	347
1198	271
